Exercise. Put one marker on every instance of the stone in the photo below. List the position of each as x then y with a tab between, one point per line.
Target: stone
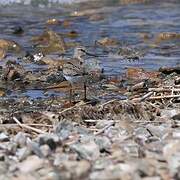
75	169
170	113
45	149
3	137
32	163
52	140
20	139
87	150
63	130
103	142
22	153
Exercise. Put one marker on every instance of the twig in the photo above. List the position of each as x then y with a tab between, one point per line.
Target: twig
72	107
108	102
98	120
143	97
14	125
164	97
149	122
103	129
116	121
164	89
28	127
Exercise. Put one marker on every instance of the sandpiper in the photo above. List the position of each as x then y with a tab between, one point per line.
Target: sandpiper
76	70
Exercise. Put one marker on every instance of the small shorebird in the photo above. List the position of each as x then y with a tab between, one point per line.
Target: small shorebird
76	70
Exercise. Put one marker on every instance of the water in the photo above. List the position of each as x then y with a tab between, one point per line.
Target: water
123	21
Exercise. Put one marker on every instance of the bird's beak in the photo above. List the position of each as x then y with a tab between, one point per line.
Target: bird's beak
89	54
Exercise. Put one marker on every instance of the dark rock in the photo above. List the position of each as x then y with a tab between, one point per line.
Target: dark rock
170	70
51	140
18	30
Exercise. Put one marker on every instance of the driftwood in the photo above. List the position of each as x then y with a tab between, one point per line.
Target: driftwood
28	127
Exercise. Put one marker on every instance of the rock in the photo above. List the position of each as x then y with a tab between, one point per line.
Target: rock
72	34
170	113
50	42
152	178
32	163
10	46
3	168
177	81
20	139
52	140
60	158
3	137
75	169
64	129
114	171
46	151
142	133
2	156
164	36
108	42
146	168
101	164
176	134
158	131
53	22
87	150
2	53
169	70
131	149
141	74
103	142
24	176
35	148
171	152
11	74
18	30
23	153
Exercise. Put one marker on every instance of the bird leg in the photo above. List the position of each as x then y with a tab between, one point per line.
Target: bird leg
85	91
70	94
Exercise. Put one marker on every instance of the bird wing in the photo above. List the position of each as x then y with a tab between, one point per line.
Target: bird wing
72	69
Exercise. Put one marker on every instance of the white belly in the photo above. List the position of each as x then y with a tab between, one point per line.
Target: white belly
75	79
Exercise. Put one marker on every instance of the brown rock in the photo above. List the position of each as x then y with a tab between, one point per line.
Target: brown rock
53	22
8	45
2	53
108	42
49	42
11	74
141	74
165	36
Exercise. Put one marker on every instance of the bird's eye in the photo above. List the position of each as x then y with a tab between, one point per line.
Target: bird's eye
14	45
